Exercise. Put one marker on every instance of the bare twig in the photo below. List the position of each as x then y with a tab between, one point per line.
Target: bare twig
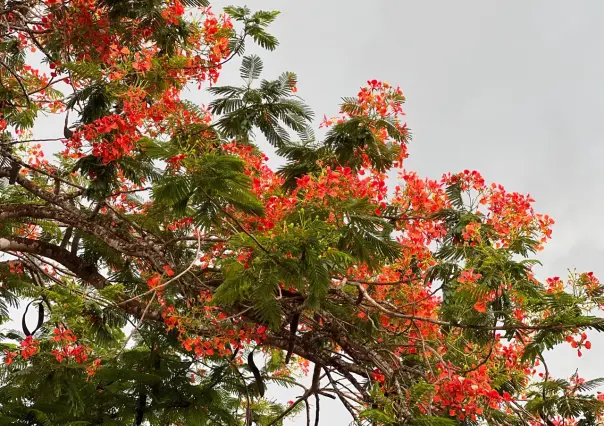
161	286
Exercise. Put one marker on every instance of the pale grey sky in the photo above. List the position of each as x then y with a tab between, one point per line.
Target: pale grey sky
514	89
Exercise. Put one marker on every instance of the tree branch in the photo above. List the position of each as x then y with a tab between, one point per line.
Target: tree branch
85	271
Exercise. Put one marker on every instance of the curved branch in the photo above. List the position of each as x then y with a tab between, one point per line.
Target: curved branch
68	217
85	271
19	82
474	326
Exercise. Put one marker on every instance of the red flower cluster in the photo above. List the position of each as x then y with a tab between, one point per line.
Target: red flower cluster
466	395
29	347
68	349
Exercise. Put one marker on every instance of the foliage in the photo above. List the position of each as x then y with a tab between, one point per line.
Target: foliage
174	276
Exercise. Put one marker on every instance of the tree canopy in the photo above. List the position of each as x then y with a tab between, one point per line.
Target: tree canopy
175	275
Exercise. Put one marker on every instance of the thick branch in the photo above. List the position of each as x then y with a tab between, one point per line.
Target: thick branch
85	271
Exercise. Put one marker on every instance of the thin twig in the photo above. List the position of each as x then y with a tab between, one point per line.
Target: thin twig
475	326
159	287
138	325
16	76
38	170
17	142
235	315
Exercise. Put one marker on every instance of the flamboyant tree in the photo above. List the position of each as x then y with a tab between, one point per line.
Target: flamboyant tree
175	275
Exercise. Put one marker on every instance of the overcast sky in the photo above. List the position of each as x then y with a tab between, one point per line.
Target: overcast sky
513	89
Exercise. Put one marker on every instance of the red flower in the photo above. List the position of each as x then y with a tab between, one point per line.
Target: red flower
9	357
480	306
168	270
154	280
29	347
62	334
